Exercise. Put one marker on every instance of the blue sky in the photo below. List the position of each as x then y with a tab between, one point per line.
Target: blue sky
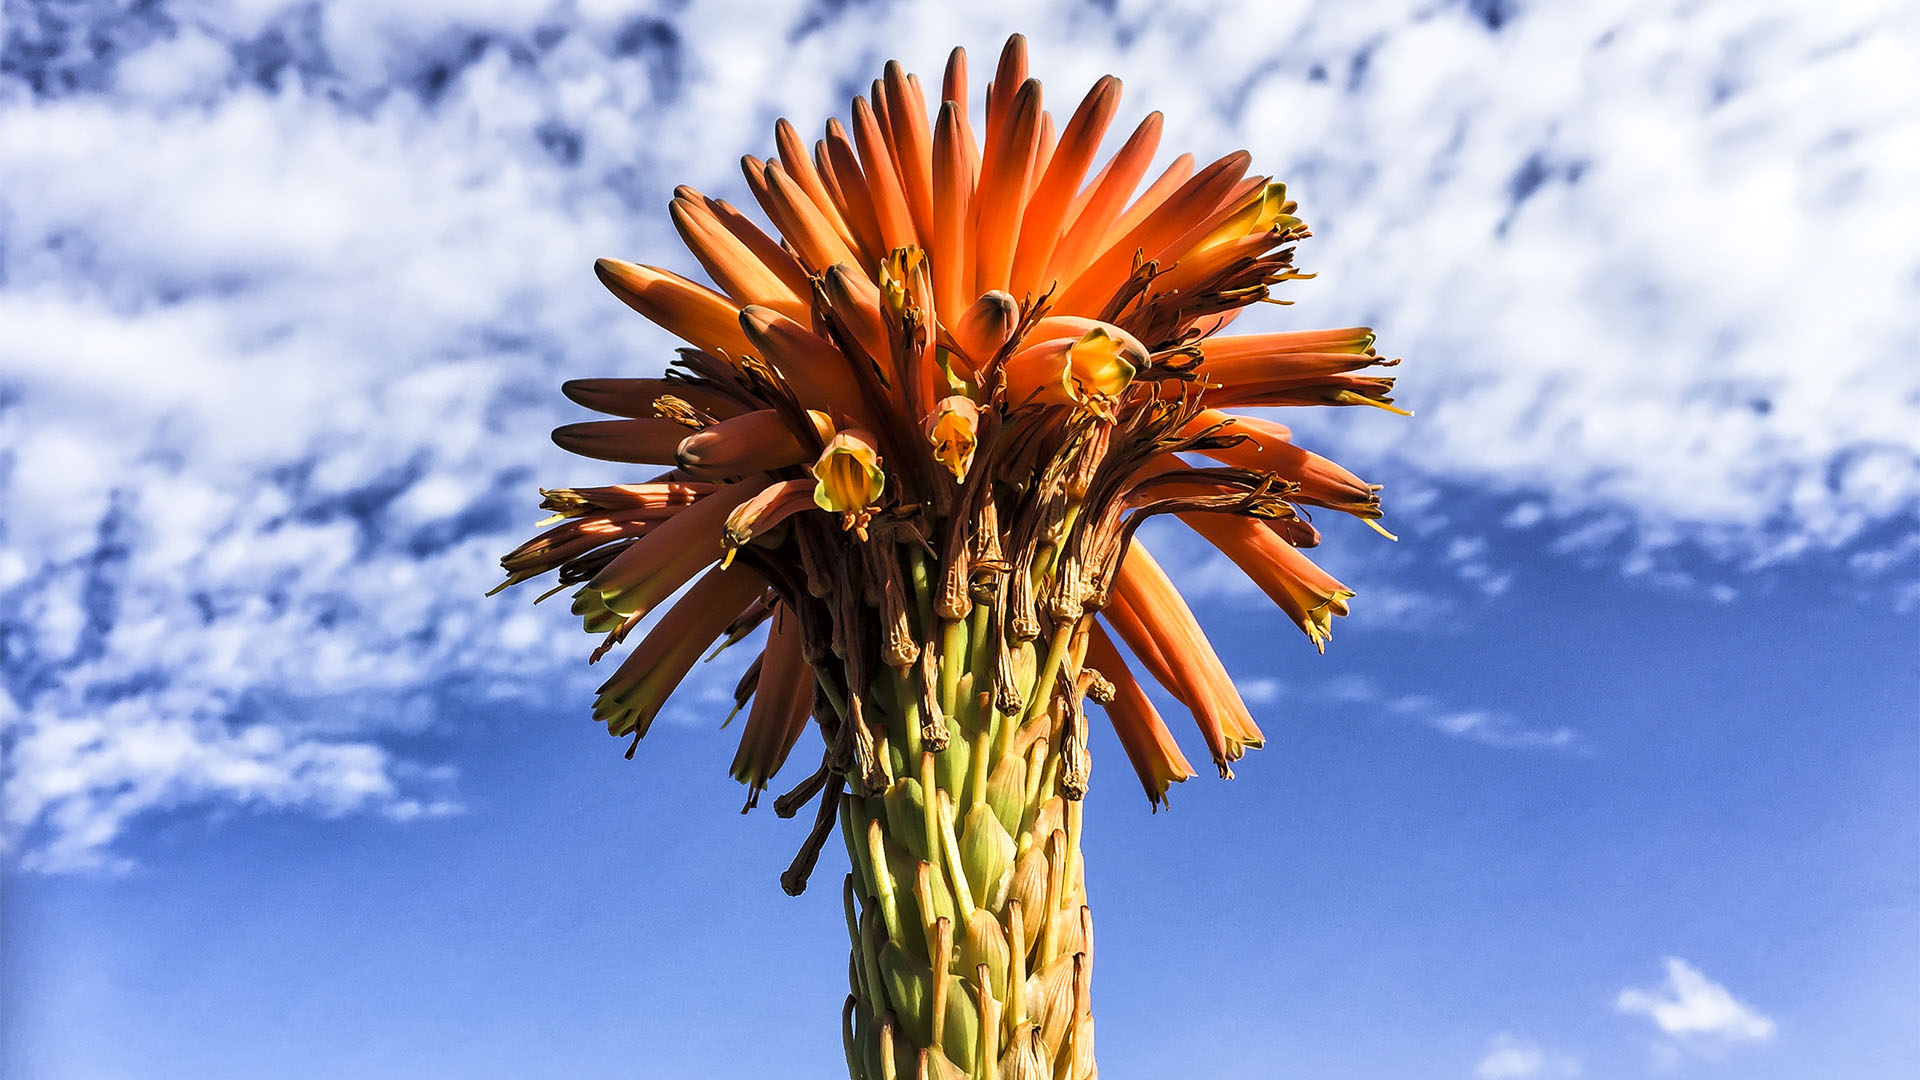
1611	773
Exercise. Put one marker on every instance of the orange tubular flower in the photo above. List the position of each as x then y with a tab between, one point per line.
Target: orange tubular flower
782	704
1143	735
642	397
1308	594
752	442
698	314
1268	447
629	700
1155	622
917	424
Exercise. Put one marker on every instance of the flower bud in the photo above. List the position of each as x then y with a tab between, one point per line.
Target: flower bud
1029	886
1007	790
982	329
985	943
906	814
961	1037
908	984
986	850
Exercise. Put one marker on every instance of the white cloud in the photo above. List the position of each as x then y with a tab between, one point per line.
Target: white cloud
83	778
1489	727
1695	1012
1512	1058
282	329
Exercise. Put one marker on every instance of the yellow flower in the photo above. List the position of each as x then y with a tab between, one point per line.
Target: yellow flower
848	478
954	429
1090	370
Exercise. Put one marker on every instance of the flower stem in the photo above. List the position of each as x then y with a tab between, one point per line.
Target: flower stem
967	898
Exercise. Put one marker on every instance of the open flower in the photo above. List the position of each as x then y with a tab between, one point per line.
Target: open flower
848	477
954	432
1090	370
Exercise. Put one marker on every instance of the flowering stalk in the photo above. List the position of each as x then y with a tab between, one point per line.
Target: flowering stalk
914	438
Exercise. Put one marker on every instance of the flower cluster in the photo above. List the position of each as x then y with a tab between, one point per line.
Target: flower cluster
915	434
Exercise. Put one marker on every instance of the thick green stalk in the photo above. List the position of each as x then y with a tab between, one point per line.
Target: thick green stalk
967	900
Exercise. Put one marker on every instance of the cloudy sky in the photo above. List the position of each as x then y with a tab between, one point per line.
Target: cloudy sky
1611	773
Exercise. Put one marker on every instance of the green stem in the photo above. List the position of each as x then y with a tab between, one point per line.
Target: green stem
976	873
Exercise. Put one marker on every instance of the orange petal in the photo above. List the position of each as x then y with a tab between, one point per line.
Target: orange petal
1185	209
763	512
817	372
693	313
622	497
577	536
847	182
636	397
950	244
953	87
1275	390
1186	272
630	700
911	143
758	441
657	564
1154	620
765	248
984	327
1040	227
883	182
1042	154
1003	188
731	264
1103	200
1253	348
1267	447
1251	367
1096	365
855	300
793	157
1310	596
1156	758
1008	78
782	704
794	214
1177	172
639	442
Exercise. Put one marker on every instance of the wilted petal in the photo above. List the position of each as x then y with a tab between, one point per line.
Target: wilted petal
782	703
